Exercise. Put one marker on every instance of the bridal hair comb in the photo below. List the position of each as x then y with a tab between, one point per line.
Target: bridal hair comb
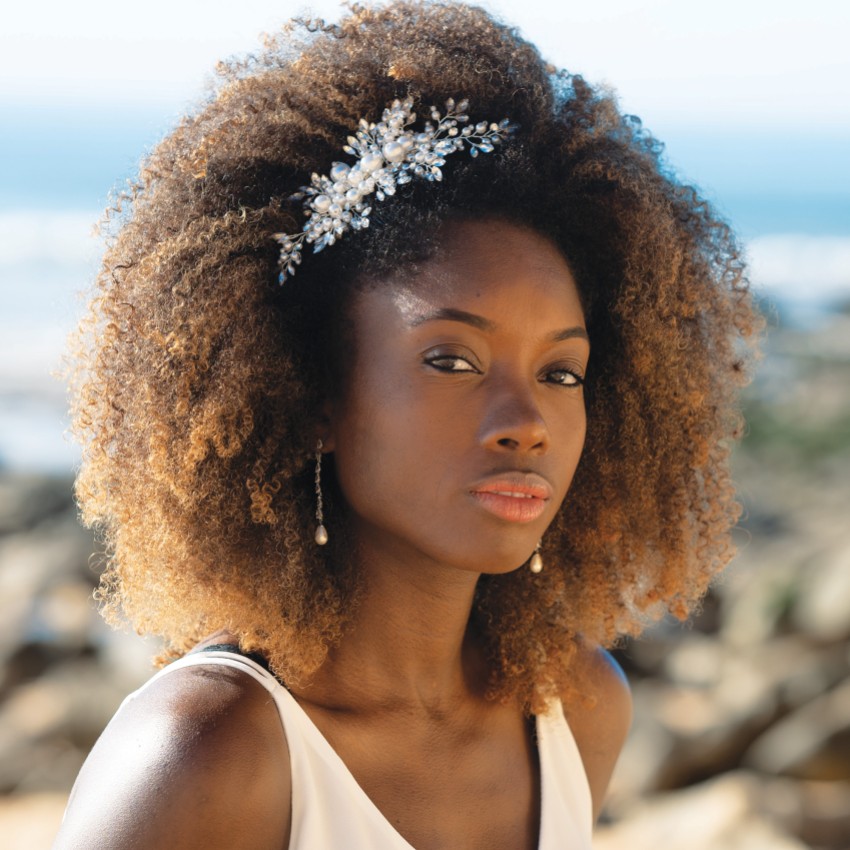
389	154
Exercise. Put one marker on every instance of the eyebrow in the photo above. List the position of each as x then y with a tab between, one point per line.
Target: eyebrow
452	315
482	324
570	333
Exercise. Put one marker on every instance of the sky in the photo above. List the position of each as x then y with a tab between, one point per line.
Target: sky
760	63
751	97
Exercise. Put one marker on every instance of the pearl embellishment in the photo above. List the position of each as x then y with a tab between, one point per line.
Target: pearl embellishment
536	562
388	154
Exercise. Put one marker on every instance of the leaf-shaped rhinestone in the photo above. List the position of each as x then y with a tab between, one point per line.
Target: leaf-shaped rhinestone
388	154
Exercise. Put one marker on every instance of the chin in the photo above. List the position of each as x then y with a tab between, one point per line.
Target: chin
498	563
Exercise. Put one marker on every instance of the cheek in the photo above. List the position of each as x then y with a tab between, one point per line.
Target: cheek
577	426
381	440
576	444
568	433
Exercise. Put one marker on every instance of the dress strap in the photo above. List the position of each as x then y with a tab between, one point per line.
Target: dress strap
219	657
566	799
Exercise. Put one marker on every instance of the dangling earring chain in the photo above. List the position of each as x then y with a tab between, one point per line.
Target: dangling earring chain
536	562
321	536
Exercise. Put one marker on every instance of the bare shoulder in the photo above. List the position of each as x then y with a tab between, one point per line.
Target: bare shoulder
599	711
197	759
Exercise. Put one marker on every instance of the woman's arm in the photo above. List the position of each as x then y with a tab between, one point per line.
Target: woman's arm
600	728
198	759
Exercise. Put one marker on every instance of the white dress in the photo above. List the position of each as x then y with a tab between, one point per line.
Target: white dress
330	811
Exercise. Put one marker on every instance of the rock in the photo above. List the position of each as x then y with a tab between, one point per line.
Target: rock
721	814
695	660
649	748
822	606
812	742
40	569
26	499
758	591
125	659
31	821
64	612
759	673
707	727
816	812
50	765
697	724
736	811
709	702
825	813
48	725
799	670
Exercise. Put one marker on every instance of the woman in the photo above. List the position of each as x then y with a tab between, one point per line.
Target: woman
390	501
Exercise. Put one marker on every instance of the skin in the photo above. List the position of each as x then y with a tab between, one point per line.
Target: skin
469	371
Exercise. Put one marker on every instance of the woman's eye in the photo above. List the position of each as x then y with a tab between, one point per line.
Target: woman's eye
564	378
450	363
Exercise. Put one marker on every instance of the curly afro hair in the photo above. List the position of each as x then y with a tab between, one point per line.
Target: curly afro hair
198	376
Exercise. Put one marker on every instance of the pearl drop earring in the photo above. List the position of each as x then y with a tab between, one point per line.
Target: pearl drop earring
321	536
536	562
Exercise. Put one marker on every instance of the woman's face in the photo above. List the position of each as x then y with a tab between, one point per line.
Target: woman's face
463	417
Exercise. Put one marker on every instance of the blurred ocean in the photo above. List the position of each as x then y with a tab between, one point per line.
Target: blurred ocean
788	197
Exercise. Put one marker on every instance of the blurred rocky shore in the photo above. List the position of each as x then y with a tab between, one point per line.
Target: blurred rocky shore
741	739
63	672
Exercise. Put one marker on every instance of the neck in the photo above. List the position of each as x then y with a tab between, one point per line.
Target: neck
408	644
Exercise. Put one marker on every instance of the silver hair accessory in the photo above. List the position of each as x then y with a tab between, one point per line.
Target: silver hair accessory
389	154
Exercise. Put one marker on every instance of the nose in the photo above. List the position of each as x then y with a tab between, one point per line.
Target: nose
513	421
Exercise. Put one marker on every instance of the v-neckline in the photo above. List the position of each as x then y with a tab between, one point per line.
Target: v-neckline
322	742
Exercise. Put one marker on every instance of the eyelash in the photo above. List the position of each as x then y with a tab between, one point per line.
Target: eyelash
577	379
442	358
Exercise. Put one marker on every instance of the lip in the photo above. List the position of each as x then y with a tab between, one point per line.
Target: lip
513	496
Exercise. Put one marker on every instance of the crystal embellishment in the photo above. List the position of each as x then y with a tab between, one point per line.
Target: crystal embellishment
389	154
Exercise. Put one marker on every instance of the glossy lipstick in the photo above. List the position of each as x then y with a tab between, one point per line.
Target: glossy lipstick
515	497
